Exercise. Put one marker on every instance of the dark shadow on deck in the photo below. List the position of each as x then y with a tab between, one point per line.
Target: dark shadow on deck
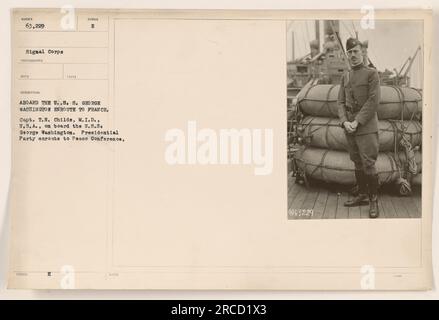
325	201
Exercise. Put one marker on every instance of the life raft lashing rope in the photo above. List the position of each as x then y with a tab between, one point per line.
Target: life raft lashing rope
334	166
321	101
323	155
326	133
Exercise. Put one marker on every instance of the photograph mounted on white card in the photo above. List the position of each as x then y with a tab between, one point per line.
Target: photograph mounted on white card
354	119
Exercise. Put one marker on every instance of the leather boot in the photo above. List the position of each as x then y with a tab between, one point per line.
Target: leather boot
354	190
361	198
374	210
373	184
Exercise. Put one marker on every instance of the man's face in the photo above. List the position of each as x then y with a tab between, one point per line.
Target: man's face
355	55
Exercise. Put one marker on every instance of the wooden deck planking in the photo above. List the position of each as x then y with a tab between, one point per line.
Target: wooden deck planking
400	209
291	197
342	211
417	200
327	204
387	204
354	212
320	205
382	210
331	206
364	212
298	201
410	206
418	203
292	193
310	201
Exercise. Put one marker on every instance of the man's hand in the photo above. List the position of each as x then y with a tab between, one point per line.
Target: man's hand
348	126
354	124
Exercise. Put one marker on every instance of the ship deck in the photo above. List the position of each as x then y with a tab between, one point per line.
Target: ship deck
325	201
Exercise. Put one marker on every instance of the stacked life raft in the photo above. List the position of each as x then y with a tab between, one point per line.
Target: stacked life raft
324	154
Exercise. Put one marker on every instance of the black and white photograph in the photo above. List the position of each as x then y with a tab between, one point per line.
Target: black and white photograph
354	110
147	153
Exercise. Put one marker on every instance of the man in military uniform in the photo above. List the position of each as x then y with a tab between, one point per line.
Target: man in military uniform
358	100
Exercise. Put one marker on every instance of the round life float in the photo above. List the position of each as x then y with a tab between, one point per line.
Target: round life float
395	102
327	133
334	166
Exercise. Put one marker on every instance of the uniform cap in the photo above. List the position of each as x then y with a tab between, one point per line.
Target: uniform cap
351	43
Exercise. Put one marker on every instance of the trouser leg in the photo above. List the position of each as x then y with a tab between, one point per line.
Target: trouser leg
361	197
368	146
368	149
360	177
